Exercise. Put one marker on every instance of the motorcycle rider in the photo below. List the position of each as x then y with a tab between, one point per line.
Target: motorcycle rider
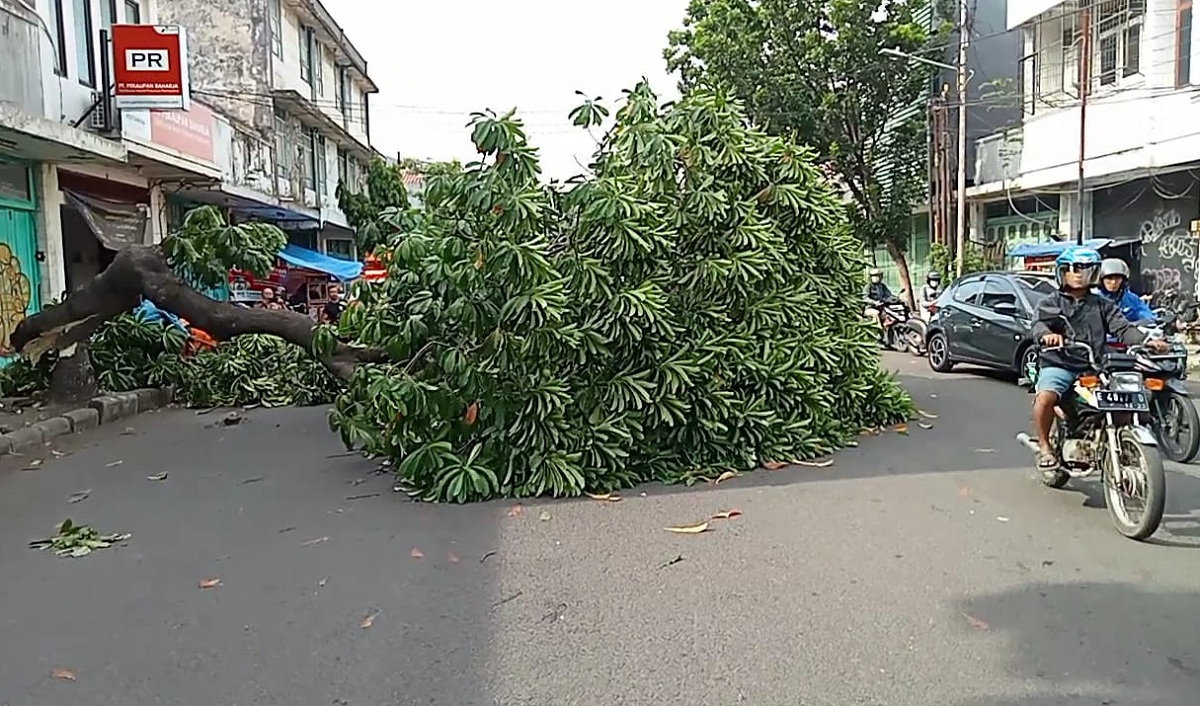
877	295
1114	285
1091	318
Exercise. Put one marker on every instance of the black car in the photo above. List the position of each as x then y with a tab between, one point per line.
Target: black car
986	319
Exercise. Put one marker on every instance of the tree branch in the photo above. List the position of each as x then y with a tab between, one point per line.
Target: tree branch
142	271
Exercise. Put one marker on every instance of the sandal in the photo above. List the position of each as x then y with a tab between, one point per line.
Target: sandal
1047	461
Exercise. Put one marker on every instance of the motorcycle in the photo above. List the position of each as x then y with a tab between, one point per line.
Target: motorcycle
1176	421
901	330
1103	427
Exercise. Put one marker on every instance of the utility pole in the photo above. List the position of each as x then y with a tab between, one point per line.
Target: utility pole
964	38
1085	84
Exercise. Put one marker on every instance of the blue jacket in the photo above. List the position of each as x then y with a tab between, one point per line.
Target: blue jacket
1130	304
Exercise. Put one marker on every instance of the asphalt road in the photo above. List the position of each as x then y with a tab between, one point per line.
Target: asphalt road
921	569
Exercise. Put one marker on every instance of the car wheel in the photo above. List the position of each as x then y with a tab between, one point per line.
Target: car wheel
1029	354
939	353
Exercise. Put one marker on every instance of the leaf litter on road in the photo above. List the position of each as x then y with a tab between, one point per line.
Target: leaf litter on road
927	415
727	514
923	425
79	496
544	516
369	620
72	540
453	558
158	476
727	475
814	464
417	553
689	529
63	674
975	622
210	583
516	510
114	464
605	497
313	542
773	465
901	429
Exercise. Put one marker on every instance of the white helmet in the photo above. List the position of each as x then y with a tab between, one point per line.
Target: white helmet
1113	266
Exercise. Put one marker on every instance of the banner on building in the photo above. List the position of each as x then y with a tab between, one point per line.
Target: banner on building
116	224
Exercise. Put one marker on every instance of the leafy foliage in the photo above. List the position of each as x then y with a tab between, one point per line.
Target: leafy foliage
207	247
814	72
429	168
255	369
385	189
21	377
690	310
129	353
941	260
72	540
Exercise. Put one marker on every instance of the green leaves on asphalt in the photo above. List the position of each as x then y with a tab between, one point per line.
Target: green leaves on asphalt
71	540
690	309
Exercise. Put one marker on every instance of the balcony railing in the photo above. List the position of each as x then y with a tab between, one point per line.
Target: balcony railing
21	49
998	156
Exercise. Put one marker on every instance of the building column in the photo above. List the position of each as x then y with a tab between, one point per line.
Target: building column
53	263
1069	213
157	216
976	221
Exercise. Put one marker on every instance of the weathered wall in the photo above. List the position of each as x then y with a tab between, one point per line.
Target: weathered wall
230	52
20	55
1158	210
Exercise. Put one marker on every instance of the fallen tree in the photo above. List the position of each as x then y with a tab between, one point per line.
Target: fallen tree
206	246
690	308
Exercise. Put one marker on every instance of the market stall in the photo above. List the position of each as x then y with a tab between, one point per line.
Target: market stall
301	276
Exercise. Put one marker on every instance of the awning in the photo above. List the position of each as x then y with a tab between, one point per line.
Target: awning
1057	246
344	270
116	224
37	139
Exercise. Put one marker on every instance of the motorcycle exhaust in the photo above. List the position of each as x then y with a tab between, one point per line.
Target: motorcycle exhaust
1029	443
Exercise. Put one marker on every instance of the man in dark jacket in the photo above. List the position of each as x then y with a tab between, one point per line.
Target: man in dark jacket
1073	314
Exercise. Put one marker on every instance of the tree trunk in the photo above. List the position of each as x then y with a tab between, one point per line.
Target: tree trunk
901	259
73	380
142	271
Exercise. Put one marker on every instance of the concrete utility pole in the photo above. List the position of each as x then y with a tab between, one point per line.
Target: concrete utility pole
964	38
1085	85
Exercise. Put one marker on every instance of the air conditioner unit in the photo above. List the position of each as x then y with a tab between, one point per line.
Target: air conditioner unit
100	120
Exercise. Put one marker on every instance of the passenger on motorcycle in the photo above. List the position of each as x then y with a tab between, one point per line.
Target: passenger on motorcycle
1114	286
1092	319
931	290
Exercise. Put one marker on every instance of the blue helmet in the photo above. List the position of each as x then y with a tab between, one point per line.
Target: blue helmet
1078	257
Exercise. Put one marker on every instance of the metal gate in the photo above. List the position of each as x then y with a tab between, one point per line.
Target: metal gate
20	276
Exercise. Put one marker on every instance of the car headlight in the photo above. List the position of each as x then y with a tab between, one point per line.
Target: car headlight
1127	382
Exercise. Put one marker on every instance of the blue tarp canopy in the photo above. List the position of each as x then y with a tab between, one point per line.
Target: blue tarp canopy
1057	246
344	270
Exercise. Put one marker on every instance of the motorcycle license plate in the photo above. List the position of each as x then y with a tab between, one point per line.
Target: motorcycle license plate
1112	401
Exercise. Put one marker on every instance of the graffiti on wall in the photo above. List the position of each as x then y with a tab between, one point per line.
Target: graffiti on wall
1170	254
15	294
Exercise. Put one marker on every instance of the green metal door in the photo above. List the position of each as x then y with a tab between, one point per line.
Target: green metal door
19	272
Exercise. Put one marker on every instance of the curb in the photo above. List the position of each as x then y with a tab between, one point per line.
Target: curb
104	409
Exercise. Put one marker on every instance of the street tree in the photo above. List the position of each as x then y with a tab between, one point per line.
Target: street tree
814	73
688	310
384	188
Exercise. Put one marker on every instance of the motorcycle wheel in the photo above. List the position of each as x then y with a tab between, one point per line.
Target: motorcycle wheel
895	340
1177	425
916	342
1148	477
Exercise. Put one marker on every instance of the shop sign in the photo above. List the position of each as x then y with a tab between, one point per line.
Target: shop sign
150	67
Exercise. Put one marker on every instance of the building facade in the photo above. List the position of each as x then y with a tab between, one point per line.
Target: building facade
279	117
1140	144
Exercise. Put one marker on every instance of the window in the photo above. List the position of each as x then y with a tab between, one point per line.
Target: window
85	44
306	55
60	38
997	291
968	290
318	67
108	13
277	28
1183	43
343	90
1118	40
306	153
283	149
133	12
14	182
342	167
319	168
341	248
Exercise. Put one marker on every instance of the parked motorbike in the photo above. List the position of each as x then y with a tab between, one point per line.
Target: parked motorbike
901	330
1104	427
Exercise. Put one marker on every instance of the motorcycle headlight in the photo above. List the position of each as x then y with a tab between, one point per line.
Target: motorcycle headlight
1127	382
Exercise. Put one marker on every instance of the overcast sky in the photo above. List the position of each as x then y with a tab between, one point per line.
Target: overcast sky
438	60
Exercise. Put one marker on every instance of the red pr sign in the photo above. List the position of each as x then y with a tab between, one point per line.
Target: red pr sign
150	67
